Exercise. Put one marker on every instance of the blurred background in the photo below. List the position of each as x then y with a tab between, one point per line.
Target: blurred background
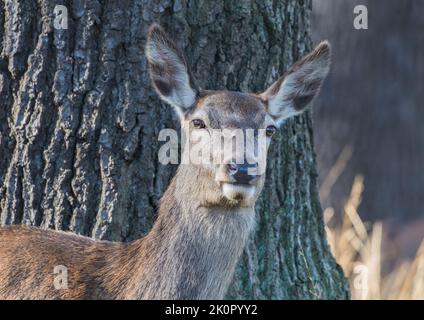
369	140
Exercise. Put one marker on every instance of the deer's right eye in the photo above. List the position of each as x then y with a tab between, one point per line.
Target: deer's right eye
270	131
198	124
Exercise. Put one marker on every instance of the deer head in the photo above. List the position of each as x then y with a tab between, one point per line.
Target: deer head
235	171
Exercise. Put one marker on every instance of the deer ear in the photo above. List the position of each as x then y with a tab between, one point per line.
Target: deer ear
169	71
292	93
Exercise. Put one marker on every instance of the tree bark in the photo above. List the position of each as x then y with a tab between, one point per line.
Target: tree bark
79	124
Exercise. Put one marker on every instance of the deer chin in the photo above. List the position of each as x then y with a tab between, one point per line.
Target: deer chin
238	192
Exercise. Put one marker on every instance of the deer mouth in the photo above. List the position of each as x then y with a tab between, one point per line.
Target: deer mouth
238	191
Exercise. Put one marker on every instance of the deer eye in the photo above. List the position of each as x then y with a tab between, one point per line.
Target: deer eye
198	124
270	130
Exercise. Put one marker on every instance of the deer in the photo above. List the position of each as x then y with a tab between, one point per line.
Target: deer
205	216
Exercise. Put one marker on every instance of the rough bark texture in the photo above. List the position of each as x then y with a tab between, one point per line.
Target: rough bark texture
79	124
373	102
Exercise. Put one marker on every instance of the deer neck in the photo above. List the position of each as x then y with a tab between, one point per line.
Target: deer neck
194	246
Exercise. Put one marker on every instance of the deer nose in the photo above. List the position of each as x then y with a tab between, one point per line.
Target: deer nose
245	173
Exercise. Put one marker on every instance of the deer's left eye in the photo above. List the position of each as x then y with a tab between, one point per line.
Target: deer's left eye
270	131
198	124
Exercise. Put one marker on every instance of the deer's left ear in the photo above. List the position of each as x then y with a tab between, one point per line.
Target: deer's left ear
292	93
169	71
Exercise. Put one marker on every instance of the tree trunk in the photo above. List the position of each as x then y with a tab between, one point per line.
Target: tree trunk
79	124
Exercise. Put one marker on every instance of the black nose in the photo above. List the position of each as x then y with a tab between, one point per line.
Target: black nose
241	172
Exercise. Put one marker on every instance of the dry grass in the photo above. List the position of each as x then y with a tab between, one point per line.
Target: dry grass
358	249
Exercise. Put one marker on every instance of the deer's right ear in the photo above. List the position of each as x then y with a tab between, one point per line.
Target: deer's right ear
169	71
292	93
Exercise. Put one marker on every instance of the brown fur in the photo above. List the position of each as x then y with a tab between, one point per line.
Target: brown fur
189	254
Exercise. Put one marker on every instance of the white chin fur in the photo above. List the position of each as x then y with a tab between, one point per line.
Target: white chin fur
237	192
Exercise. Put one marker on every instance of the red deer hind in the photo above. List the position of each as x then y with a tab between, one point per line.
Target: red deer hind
205	215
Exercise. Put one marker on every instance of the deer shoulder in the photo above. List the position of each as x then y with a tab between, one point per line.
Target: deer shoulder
48	264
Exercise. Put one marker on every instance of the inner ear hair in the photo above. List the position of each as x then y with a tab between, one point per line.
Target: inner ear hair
292	93
169	71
